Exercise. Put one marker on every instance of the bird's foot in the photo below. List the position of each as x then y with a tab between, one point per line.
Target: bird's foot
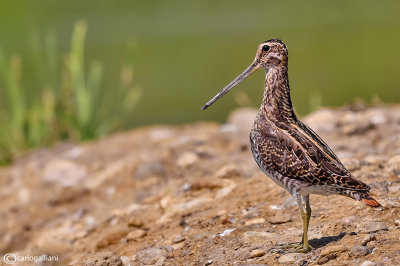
294	248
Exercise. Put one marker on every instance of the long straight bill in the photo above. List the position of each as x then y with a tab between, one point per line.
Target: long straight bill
247	72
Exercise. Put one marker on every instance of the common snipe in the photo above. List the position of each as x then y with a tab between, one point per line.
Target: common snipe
287	150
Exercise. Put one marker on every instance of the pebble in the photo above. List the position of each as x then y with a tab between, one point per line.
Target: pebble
330	253
209	262
257	253
178	246
178	239
290	258
100	258
135	234
359	251
397	222
372	227
367	239
226	232
135	222
154	255
368	263
187	159
255	221
128	261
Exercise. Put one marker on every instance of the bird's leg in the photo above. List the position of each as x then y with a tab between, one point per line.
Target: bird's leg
305	210
305	215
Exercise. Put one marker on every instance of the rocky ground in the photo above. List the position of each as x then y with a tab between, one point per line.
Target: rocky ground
192	195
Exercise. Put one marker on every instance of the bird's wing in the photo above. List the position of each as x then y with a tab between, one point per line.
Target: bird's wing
297	152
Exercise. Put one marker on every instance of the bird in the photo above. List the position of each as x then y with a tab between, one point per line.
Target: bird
287	150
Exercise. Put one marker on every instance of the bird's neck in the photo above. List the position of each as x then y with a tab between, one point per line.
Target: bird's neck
276	104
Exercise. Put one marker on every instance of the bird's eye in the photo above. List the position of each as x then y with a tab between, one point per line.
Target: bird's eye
265	48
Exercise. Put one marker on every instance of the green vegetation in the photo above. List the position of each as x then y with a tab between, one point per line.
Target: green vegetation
182	52
69	101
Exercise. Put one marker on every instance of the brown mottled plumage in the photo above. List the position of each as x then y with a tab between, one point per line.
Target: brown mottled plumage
287	150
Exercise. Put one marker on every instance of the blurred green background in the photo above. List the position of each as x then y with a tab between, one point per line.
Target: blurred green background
131	63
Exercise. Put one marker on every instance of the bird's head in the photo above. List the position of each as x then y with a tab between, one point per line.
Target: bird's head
270	54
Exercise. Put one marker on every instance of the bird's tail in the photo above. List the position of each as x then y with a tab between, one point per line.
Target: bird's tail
365	198
369	201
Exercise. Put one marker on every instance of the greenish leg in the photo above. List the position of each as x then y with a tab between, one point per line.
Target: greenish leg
305	210
305	215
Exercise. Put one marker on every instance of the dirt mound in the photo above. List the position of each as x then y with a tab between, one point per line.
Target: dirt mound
192	195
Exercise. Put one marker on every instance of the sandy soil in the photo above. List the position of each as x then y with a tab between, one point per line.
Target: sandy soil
192	195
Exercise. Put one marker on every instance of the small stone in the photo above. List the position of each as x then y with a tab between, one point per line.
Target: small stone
135	222
257	253
359	251
372	227
178	246
164	202
330	253
154	255
397	222
135	234
290	258
209	262
178	239
367	239
125	260
100	258
187	159
226	232
128	261
255	221
280	219
368	263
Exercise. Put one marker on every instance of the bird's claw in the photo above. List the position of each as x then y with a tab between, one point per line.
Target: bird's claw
294	248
